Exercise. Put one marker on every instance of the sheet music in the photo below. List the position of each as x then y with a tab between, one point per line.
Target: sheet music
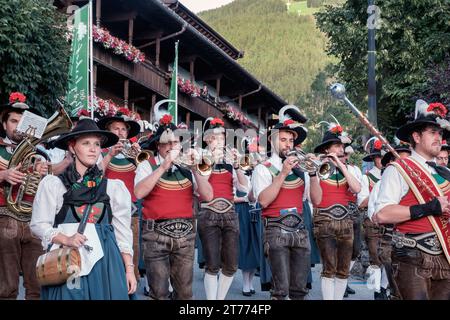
31	124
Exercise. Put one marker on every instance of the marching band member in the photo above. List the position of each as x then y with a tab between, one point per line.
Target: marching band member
280	187
372	234
354	211
117	166
385	243
413	196
19	249
442	157
61	201
168	230
218	224
333	226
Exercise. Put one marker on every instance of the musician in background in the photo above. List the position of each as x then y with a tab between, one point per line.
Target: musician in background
168	228
280	188
333	226
355	213
107	271
385	243
218	224
420	252
442	157
372	233
19	249
117	166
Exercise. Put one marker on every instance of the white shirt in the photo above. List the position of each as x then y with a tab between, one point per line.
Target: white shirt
262	178
365	190
49	200
393	187
372	199
56	155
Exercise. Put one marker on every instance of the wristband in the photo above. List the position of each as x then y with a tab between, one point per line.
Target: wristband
432	207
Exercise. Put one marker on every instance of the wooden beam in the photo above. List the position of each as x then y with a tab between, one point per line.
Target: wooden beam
218	86
126	88
240	101
98	12
95	76
259	117
130	31
123	16
188	118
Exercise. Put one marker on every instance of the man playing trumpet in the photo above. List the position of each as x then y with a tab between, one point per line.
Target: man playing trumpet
168	228
280	187
333	226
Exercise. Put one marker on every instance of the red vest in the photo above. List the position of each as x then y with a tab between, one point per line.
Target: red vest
335	192
171	198
413	226
124	173
289	196
222	183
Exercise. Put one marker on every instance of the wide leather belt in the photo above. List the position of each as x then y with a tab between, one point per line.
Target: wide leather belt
354	211
336	211
218	205
174	228
288	222
24	217
387	231
426	242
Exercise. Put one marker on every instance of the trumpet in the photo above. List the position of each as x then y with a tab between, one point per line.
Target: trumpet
307	164
129	151
244	162
202	162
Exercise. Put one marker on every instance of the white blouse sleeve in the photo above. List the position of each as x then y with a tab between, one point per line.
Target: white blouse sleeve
364	193
143	170
261	179
46	205
121	211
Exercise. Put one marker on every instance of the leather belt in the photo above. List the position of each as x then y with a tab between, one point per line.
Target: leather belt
353	210
218	205
426	242
288	222
174	228
336	211
24	217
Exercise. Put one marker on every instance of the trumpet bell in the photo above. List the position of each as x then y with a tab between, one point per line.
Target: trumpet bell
144	155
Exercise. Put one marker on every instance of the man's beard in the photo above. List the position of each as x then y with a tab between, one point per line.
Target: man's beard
16	137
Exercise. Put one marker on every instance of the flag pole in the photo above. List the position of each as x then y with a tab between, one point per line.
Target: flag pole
91	61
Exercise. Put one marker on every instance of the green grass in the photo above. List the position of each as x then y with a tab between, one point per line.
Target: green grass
301	8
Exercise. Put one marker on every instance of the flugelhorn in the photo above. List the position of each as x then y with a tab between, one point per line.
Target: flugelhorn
307	164
130	151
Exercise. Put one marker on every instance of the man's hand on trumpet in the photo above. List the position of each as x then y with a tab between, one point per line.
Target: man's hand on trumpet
288	164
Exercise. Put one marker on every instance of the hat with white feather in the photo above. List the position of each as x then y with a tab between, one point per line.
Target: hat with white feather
399	146
433	114
334	134
374	148
290	119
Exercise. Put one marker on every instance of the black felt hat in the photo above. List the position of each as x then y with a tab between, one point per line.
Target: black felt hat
334	134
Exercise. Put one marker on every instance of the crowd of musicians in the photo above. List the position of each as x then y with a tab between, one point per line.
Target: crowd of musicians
279	211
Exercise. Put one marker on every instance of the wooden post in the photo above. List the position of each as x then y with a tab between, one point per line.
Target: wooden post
188	118
191	69
218	87
98	11
130	30
240	101
259	117
126	87
151	107
158	50
95	76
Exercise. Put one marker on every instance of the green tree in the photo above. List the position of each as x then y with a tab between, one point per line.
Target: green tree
34	52
412	35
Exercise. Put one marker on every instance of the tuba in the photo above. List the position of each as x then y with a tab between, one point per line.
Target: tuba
27	153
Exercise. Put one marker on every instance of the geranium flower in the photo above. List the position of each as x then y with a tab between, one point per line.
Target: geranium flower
166	119
337	129
217	122
438	108
288	122
17	97
377	145
123	111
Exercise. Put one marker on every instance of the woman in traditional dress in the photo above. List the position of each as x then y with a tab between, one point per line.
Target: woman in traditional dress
107	270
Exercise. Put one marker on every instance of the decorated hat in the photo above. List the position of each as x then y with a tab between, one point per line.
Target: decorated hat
400	146
122	115
374	148
164	133
86	127
290	119
17	103
334	134
213	126
433	114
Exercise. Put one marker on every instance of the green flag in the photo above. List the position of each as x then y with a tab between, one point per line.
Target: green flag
173	95
78	91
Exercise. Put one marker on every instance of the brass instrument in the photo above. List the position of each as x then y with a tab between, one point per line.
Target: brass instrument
243	161
307	164
202	162
28	154
129	151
